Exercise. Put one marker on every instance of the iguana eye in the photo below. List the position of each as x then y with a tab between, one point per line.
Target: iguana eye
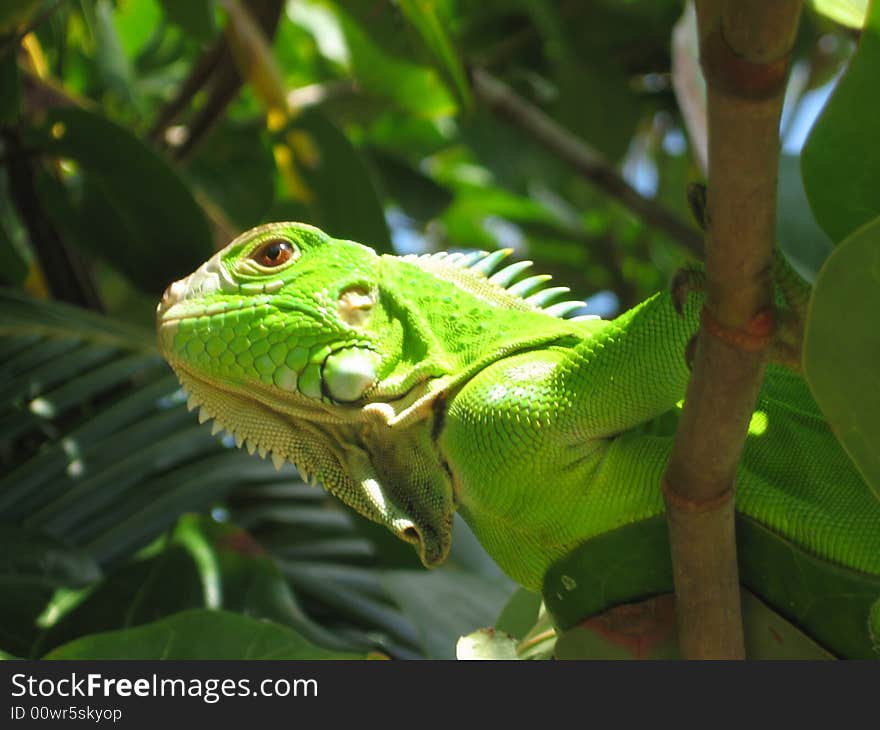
273	253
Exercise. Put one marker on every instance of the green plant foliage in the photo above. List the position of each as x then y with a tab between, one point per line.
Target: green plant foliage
235	169
841	160
652	635
846	12
842	347
344	200
195	17
631	563
198	634
423	16
445	605
152	239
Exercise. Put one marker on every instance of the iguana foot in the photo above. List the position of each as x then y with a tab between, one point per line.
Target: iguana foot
696	198
784	327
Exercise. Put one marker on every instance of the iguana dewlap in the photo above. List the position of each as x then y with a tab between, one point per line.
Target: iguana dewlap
414	386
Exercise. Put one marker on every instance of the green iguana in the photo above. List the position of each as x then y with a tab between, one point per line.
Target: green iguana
415	386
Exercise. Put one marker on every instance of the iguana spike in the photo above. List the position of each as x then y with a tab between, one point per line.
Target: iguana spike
545	296
563	308
488	264
509	273
454	257
528	286
277	461
263	451
469	260
204	415
251	447
239	439
191	403
584	317
216	428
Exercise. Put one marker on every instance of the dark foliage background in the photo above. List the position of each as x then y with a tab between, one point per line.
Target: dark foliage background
138	136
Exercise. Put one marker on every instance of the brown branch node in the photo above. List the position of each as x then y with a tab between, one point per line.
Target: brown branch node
759	335
680	502
731	74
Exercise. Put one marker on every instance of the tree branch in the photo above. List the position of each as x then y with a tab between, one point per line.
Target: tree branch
503	101
745	49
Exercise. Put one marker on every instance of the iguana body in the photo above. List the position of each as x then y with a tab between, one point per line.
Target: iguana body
415	386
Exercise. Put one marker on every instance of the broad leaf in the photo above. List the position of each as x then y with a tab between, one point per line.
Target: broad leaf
445	605
842	347
841	159
134	211
198	634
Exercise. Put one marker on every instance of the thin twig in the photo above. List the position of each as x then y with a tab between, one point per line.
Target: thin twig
506	103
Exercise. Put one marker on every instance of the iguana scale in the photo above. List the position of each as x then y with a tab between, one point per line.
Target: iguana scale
415	386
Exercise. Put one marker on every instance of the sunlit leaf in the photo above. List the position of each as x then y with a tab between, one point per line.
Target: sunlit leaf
850	13
422	14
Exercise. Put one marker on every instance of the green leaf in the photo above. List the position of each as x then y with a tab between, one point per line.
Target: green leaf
235	168
33	566
408	85
194	17
138	592
422	15
850	13
136	213
648	631
30	557
519	614
841	158
445	605
15	13
238	575
842	347
197	634
346	203
10	89
111	60
769	636
829	602
13	266
417	194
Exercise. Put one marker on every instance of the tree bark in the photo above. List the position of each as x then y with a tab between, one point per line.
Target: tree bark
745	48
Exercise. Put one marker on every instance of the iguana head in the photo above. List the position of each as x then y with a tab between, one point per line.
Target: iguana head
320	352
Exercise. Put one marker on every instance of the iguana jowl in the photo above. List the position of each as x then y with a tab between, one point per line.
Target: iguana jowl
414	386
